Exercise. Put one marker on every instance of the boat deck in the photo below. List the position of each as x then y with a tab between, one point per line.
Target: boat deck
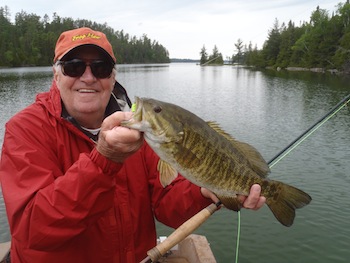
4	248
193	249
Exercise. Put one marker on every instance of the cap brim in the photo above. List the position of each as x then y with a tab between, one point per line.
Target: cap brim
92	45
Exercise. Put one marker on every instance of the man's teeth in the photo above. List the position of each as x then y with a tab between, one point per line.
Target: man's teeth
87	90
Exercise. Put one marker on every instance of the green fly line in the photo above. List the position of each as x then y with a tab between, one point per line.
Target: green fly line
286	151
272	164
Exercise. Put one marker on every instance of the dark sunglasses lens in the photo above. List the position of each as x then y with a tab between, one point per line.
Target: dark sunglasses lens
101	69
74	68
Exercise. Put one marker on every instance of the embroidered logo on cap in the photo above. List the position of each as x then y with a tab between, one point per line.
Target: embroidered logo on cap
89	35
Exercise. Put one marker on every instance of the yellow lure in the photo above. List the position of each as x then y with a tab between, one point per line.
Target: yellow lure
133	107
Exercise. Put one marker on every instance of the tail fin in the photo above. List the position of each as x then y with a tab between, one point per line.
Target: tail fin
288	199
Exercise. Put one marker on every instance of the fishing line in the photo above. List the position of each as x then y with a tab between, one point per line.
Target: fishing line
287	150
238	234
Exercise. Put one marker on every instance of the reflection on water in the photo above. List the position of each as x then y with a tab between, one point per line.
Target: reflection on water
18	88
267	109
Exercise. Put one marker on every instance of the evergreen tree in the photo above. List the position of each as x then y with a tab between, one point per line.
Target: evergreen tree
272	45
238	57
323	42
31	40
7	54
341	57
204	55
216	57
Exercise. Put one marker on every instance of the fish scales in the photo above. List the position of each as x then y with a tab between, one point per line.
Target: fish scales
212	164
209	157
220	163
193	155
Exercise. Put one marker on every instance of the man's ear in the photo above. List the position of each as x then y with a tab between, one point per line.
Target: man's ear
55	73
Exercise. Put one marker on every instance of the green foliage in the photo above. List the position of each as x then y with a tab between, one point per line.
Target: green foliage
214	59
254	57
272	44
238	58
204	55
323	42
31	40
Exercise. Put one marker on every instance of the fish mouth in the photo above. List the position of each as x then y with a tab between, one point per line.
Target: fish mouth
137	116
136	121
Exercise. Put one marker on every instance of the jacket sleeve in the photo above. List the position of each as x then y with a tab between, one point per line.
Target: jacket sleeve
46	205
177	202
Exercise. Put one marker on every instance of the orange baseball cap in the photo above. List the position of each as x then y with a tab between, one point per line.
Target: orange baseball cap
72	39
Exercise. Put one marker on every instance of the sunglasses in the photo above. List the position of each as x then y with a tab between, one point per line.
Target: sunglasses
101	69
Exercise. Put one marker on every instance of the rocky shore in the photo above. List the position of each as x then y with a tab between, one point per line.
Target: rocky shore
317	70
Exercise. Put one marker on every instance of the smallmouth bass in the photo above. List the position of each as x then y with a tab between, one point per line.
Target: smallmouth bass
211	158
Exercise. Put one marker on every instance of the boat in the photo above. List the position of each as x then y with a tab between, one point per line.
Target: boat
193	249
4	249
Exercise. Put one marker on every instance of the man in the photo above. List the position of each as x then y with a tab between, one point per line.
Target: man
77	186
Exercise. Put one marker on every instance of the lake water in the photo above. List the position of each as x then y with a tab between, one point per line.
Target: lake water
266	109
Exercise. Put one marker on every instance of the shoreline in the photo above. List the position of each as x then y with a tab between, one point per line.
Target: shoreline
315	70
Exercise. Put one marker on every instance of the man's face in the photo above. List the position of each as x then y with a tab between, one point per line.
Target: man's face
85	97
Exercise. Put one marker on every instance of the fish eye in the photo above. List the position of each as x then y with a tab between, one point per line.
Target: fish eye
157	109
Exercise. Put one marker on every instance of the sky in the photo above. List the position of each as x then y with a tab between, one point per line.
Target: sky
183	27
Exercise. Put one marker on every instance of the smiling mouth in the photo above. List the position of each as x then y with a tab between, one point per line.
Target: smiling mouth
86	91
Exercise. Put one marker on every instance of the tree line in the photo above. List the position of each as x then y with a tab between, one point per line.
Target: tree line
323	42
31	39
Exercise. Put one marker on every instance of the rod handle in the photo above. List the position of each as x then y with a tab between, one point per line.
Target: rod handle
181	232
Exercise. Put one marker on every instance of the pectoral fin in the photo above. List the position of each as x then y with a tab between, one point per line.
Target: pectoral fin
167	173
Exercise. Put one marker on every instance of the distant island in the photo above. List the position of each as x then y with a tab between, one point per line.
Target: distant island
183	60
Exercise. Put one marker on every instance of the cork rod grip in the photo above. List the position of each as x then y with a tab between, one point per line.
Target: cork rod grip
181	232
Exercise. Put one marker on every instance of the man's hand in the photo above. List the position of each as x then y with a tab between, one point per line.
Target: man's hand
116	142
253	201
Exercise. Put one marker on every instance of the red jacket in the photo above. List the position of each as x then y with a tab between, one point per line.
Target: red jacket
67	203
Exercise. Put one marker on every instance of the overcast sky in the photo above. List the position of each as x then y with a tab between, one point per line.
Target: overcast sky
183	26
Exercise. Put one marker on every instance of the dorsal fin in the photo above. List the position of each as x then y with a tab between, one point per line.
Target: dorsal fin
257	162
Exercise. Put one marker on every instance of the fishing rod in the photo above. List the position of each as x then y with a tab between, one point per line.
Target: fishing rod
279	156
290	147
180	233
198	219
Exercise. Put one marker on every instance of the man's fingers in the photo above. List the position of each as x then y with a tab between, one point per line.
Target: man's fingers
114	133
115	119
208	194
116	142
123	135
254	200
261	202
